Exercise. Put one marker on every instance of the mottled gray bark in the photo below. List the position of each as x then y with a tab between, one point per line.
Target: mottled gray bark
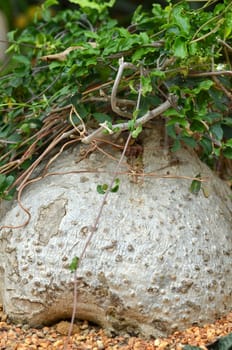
160	260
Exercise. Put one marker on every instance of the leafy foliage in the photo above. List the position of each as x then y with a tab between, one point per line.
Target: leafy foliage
63	66
224	343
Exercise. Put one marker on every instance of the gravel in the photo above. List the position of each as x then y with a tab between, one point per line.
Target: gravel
86	336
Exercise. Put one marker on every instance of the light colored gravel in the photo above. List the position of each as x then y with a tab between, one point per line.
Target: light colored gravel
88	337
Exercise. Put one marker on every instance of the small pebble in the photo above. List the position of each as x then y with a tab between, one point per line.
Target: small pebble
100	345
85	325
88	337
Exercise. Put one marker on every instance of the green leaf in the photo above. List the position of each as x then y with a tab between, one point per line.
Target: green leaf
171	112
55	64
101	189
224	343
191	347
228	24
181	19
115	187
171	131
158	73
227	152
135	133
176	120
94	5
11	35
9	180
25	165
176	145
102	117
146	85
229	143
195	185
74	264
180	48
204	85
49	3
217	131
193	48
213	116
206	144
189	141
2	180
5	183
131	125
22	60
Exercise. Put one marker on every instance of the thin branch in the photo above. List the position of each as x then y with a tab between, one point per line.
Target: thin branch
207	34
100	132
208	74
120	101
225	44
222	87
122	65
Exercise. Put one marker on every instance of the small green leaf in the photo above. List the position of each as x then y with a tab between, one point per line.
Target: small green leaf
193	48
223	343
171	131
217	131
146	85
172	112
135	133
227	153
93	4
115	188
181	19
228	25
158	73
55	64
49	3
22	60
74	264
5	182
206	144
229	143
180	48
141	52
102	117
2	180
195	185
189	141
204	85
101	189
131	125
176	145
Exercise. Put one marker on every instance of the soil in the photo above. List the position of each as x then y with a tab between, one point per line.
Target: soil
89	337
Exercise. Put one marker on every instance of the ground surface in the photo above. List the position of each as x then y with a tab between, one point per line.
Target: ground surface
88	337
